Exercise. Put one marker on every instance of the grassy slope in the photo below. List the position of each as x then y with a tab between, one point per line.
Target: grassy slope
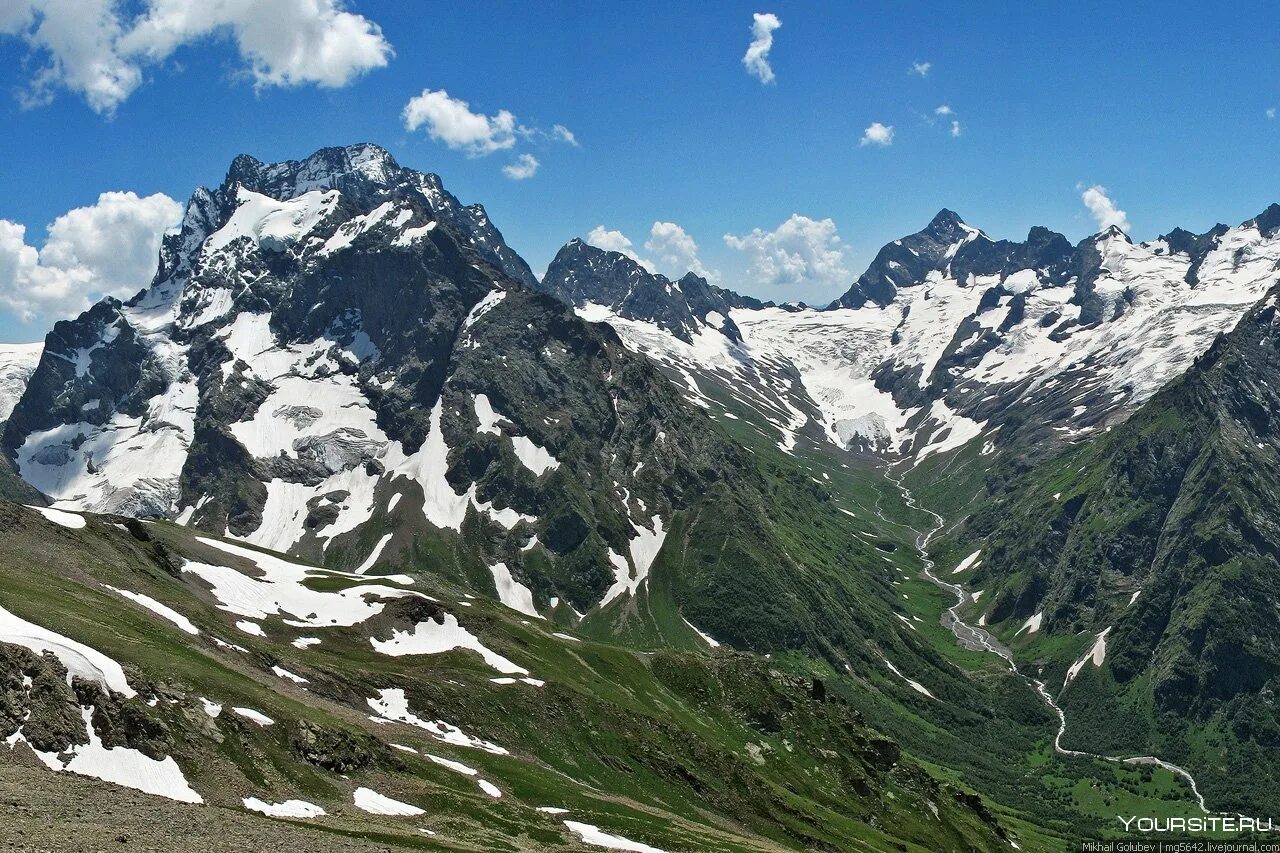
660	747
991	732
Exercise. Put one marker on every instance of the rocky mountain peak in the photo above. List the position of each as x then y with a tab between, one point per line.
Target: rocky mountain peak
946	225
358	169
908	261
1268	222
587	276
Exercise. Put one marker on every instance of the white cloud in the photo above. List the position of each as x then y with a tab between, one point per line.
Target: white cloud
616	241
108	248
944	110
1271	112
675	252
92	48
955	128
451	121
526	166
800	250
563	134
756	59
1103	209
877	134
920	69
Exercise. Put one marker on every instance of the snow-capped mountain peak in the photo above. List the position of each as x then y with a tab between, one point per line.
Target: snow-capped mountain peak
950	335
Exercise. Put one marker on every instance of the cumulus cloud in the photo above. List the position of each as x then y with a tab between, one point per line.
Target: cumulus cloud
675	252
920	69
799	251
525	166
451	121
756	59
877	134
108	248
97	50
616	241
561	133
945	112
1271	112
1103	209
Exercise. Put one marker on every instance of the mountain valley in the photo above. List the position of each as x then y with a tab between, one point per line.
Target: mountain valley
350	523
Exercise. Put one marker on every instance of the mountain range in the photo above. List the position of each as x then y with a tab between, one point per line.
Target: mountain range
647	543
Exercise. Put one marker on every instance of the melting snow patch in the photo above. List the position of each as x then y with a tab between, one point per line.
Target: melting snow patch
391	704
1032	624
511	592
289	808
1097	653
968	562
645	546
484	306
375	553
369	800
433	638
305	642
287	675
490	788
79	660
485	414
442	506
213	709
58	516
455	766
251	628
915	685
552	810
159	609
537	459
254	716
595	837
122	766
706	638
282	590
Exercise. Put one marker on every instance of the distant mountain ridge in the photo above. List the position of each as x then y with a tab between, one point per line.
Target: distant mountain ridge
950	335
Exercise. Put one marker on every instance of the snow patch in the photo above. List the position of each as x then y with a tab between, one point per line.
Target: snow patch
968	562
433	638
289	808
58	516
159	609
596	837
511	592
1032	624
80	660
391	705
369	800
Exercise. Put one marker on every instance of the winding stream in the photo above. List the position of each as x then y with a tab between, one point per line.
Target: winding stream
978	639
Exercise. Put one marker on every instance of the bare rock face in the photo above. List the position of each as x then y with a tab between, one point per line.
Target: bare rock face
36	700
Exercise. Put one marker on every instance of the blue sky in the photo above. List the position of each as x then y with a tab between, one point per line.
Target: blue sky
1163	104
